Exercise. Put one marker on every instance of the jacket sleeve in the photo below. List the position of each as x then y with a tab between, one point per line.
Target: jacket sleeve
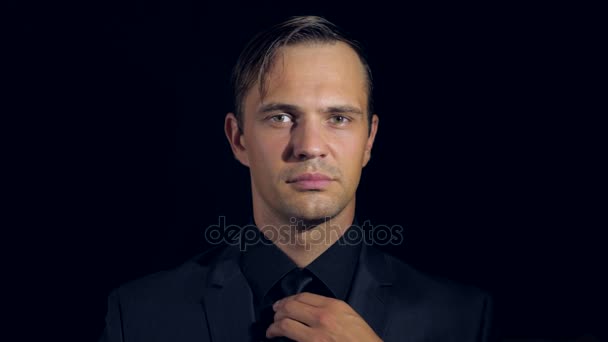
113	328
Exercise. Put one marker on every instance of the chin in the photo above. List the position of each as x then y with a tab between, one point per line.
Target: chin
312	212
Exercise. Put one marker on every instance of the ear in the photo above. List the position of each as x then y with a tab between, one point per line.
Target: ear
370	140
236	139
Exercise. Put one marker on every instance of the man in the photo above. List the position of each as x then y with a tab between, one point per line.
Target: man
303	125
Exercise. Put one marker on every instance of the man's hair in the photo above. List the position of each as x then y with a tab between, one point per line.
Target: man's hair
257	57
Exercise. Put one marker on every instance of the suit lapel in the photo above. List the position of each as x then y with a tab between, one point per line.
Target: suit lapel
223	300
371	289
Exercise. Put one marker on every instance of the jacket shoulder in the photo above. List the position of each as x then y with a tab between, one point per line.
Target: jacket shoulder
424	287
444	308
176	281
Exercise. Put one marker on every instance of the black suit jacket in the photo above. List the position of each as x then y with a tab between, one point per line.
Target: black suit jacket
208	299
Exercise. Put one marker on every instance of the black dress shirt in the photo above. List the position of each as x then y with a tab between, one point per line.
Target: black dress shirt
264	265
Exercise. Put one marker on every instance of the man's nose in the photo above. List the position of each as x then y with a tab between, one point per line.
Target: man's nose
308	140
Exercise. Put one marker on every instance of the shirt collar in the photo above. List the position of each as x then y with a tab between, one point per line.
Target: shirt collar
264	264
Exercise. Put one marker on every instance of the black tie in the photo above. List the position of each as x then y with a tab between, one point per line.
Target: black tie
296	281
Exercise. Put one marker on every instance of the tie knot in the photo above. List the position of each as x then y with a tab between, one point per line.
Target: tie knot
295	281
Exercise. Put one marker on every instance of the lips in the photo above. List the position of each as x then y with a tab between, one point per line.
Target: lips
310	177
310	181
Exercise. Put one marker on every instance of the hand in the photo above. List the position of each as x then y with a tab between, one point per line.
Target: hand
310	317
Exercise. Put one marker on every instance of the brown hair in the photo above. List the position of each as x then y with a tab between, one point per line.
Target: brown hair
256	58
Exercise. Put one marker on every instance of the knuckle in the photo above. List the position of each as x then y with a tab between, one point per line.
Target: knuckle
327	320
339	305
288	306
284	324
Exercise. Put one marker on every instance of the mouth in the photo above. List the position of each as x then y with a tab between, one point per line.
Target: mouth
310	181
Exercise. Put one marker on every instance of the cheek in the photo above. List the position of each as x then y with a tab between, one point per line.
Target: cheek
350	156
354	147
265	155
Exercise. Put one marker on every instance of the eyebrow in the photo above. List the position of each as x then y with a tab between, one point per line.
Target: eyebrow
275	106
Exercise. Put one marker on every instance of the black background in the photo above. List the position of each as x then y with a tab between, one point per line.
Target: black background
487	151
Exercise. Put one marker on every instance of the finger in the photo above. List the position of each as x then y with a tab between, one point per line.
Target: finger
309	298
287	327
296	310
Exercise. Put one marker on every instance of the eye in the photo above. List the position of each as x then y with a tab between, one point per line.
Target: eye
280	118
339	119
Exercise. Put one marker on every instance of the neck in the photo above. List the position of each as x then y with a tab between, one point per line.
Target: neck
304	243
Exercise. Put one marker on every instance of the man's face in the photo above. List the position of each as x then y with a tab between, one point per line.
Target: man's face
310	124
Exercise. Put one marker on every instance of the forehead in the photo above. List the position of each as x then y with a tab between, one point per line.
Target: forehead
319	74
